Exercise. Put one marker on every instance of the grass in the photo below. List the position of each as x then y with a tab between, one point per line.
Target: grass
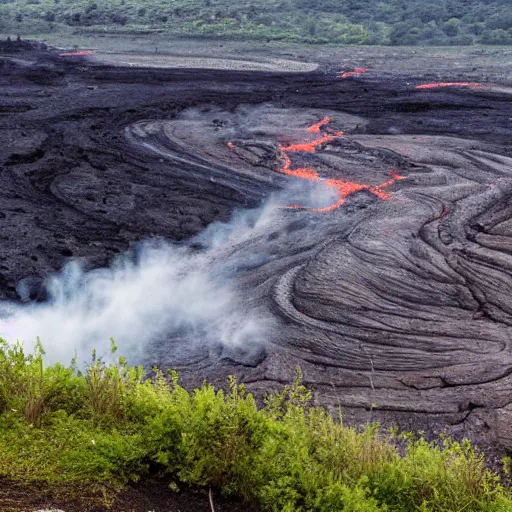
108	425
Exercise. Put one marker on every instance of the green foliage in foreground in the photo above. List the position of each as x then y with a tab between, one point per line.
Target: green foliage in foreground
108	425
395	22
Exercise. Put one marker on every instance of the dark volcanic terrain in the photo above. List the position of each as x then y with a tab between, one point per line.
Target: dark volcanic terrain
396	302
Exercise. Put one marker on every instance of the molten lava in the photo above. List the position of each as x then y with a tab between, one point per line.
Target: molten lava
230	145
448	84
77	54
356	72
343	188
305	173
315	128
311	146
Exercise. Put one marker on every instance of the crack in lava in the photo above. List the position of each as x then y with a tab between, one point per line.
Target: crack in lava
343	188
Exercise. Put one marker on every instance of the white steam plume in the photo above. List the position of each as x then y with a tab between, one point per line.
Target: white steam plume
164	290
160	291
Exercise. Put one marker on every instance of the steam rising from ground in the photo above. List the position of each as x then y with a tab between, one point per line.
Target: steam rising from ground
159	290
156	292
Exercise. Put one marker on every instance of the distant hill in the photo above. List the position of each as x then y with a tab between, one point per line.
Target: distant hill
390	22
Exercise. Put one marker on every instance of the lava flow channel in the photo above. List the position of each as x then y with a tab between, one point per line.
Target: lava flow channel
84	53
356	72
343	188
448	84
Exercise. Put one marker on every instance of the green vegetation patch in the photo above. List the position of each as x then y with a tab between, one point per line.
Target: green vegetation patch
395	22
108	425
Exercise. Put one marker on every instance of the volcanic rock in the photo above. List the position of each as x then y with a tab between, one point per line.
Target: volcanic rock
388	281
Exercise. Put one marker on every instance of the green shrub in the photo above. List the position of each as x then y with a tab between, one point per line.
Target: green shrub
328	21
109	425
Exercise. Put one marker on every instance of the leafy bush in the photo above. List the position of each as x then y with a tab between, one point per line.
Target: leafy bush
498	36
329	21
108	425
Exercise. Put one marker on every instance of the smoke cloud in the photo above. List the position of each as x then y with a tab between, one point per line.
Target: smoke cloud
160	292
159	289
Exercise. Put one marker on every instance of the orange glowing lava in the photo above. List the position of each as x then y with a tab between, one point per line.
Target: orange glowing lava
343	188
315	128
356	72
77	54
230	145
448	84
311	146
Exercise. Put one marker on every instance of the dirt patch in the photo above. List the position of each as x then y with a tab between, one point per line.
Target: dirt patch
150	495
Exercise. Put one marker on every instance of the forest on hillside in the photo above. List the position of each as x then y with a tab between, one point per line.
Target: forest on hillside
387	22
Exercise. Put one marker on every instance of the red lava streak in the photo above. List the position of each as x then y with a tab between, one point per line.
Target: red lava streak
448	84
230	145
77	54
343	188
311	146
356	72
315	128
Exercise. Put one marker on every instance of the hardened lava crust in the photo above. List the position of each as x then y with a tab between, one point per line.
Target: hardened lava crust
393	293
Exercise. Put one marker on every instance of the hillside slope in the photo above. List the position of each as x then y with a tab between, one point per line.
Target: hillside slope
395	22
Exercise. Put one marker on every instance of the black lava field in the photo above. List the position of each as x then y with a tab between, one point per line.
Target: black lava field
382	267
